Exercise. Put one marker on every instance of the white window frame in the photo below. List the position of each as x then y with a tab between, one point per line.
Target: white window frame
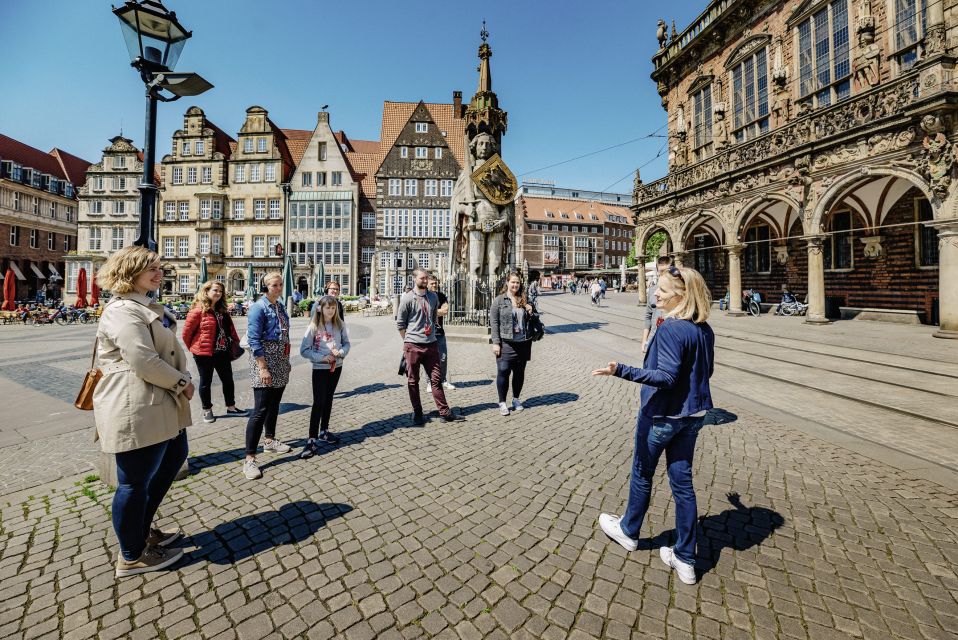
239	209
95	241
422	127
395	187
238	242
411	187
259	209
239	173
207	175
169	247
403	152
422	152
369	220
818	86
191	175
177	177
270	172
438	153
182	246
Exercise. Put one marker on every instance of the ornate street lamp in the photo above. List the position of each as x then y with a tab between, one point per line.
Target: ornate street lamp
155	39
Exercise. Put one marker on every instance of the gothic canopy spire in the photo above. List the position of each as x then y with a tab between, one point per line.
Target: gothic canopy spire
483	114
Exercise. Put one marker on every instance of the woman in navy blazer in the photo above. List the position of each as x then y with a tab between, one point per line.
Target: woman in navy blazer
675	397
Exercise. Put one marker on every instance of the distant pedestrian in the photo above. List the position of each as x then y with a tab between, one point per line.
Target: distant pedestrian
595	291
511	344
675	397
441	314
141	406
325	344
332	288
416	320
268	335
533	293
209	334
602	288
651	317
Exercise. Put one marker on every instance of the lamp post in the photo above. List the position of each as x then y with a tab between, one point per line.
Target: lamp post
155	39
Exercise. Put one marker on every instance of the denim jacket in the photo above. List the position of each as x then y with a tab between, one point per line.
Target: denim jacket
678	365
264	324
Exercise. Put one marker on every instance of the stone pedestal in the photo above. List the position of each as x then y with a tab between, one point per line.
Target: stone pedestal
735	280
467	333
640	280
947	279
816	281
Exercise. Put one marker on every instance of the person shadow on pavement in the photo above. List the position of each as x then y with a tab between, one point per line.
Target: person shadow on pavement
231	542
739	529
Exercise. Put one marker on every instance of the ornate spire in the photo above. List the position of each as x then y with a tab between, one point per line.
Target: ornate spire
483	114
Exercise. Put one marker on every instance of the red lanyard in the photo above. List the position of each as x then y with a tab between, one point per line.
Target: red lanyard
425	310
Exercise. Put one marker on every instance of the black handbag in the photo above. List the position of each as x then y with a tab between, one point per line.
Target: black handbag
402	364
535	329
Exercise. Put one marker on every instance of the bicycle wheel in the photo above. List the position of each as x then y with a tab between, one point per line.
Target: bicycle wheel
85	318
61	319
753	308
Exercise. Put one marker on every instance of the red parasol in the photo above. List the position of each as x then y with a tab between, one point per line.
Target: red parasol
94	291
81	290
9	291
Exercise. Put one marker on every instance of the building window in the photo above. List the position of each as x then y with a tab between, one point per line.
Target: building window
204	243
183	247
217	210
259	246
239	209
438	153
169	211
411	187
395	187
430	188
119	183
53	210
177	175
750	96
367	254
200	148
119	162
185	284
422	127
422	152
702	122
254	173
909	30
403	152
207	175
926	238
307	179
824	72
259	209
239	247
837	247
445	187
384	258
423	261
239	173
51	241
336	178
369	220
271	243
274	209
119	207
185	149
320	178
270	172
184	210
168	245
36	205
191	175
321	150
248	145
758	249
261	145
117	242
66	243
16	200
206	207
216	245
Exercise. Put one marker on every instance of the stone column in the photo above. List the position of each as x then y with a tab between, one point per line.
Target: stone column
735	280
640	280
679	258
816	281
373	285
947	279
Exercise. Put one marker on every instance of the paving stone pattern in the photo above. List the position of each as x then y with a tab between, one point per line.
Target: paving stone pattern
487	529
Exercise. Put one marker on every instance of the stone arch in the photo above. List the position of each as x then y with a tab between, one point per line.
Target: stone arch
753	206
847	183
643	236
696	219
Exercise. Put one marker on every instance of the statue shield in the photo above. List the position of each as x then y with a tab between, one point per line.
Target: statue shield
496	181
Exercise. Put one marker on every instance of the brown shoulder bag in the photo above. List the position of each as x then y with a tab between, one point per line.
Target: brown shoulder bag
84	399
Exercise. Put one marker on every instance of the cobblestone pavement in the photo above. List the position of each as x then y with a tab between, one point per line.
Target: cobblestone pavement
487	528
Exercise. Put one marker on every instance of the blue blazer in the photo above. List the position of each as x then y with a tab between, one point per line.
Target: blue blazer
678	365
263	324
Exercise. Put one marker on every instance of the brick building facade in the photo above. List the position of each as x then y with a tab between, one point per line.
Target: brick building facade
811	145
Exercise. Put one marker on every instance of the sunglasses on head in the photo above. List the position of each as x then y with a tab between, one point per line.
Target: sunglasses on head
673	271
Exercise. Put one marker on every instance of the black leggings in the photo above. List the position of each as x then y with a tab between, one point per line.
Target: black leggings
264	415
324	386
518	369
221	363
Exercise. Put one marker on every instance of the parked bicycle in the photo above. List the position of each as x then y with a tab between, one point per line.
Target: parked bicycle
750	302
791	308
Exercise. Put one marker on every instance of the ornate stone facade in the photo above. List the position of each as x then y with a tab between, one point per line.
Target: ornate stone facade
765	153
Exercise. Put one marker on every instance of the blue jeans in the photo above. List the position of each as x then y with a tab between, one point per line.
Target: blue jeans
144	476
675	436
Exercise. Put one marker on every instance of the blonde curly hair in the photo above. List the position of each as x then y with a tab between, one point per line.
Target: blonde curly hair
121	269
202	297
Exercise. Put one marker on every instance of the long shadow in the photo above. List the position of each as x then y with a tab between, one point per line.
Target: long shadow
738	529
573	328
473	383
719	416
366	389
287	407
231	542
560	397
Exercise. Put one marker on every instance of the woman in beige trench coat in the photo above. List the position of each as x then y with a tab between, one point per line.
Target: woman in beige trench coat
141	406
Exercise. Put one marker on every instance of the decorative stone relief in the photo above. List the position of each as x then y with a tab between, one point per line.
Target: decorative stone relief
935	39
939	161
873	248
781	254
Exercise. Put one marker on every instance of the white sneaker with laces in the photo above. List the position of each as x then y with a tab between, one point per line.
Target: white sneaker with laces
612	526
276	446
251	469
684	570
208	416
517	404
449	385
503	409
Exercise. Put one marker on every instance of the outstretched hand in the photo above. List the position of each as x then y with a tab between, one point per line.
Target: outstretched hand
608	371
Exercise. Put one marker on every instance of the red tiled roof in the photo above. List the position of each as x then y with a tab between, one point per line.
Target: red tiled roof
56	163
297	140
534	208
397	114
363	167
222	142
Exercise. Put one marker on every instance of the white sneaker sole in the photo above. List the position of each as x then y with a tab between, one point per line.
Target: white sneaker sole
667	556
122	573
613	530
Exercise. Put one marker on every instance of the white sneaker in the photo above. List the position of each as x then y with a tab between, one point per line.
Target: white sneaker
685	571
276	446
612	526
517	405
503	409
208	416
251	469
448	385
428	387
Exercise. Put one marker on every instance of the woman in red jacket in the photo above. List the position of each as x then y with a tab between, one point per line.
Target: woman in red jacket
208	334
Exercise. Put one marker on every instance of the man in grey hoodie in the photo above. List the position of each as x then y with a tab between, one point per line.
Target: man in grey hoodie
416	321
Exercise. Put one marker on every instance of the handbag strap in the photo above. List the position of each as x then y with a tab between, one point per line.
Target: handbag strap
96	343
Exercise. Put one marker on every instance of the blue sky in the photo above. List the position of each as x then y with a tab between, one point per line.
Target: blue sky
574	76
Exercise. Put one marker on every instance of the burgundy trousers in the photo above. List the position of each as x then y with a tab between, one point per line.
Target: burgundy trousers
426	355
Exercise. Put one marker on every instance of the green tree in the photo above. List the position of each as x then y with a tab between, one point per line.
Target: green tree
631	261
654	243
